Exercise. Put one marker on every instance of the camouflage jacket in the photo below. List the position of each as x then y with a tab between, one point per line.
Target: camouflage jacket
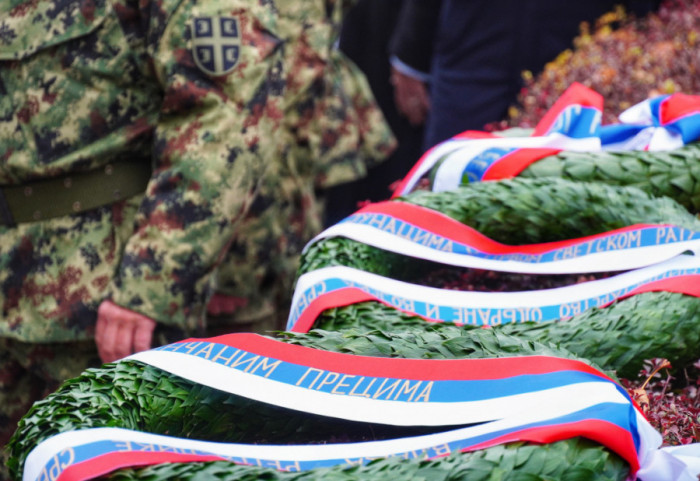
211	93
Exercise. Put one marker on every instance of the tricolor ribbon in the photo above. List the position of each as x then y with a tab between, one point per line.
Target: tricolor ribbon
533	398
665	122
423	233
339	286
573	123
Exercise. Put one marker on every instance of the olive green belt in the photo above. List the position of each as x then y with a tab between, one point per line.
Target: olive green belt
74	193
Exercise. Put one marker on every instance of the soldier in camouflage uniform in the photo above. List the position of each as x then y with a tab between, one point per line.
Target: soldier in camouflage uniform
327	127
134	136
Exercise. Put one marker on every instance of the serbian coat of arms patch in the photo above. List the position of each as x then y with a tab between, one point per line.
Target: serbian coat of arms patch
216	44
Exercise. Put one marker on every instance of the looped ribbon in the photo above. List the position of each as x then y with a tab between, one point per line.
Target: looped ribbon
573	123
538	399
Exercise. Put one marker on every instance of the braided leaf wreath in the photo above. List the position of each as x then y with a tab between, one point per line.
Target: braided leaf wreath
674	173
132	395
569	142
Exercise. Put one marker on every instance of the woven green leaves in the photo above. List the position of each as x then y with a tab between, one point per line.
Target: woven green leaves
675	174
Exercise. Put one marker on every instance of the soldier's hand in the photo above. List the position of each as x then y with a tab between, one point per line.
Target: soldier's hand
221	304
121	332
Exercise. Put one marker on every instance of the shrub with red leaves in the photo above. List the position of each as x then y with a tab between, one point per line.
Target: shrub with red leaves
624	59
671	405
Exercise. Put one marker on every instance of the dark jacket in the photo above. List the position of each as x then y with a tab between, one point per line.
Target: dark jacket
481	47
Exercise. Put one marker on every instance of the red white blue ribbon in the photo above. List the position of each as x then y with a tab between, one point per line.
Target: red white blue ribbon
534	398
665	122
423	233
339	286
576	114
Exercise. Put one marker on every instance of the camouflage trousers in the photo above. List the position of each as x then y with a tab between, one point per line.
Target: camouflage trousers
30	371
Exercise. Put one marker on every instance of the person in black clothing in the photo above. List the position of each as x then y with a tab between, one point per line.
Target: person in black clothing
480	49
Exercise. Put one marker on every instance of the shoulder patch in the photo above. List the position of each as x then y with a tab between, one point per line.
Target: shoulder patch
216	44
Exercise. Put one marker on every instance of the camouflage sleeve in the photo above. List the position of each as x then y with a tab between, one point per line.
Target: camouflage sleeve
219	64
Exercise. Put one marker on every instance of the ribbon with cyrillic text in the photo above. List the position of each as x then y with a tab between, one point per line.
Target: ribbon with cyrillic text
339	286
423	233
